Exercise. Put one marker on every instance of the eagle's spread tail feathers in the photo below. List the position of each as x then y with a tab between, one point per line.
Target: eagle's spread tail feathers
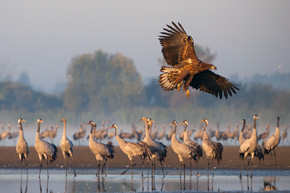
167	79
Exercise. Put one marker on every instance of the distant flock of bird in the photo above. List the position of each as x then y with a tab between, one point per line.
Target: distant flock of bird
149	148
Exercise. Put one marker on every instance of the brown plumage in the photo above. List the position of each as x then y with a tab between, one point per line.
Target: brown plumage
178	51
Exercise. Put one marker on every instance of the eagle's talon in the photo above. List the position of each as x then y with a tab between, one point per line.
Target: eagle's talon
188	93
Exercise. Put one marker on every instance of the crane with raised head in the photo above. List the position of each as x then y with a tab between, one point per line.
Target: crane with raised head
66	147
44	149
213	150
182	150
102	151
22	145
191	143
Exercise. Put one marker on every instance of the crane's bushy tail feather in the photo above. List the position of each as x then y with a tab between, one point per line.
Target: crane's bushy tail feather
199	151
111	150
219	151
259	152
53	156
146	150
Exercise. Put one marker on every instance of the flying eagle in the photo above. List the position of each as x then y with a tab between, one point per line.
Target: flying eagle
178	51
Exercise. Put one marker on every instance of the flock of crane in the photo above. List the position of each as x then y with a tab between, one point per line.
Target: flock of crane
149	148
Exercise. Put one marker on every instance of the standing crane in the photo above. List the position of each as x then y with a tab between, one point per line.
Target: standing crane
66	147
158	149
44	149
101	151
273	141
191	143
257	153
212	149
22	146
265	134
133	150
182	150
249	146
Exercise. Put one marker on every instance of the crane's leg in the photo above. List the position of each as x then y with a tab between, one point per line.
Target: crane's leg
251	162
180	169
104	169
26	167
190	167
131	163
212	167
197	171
142	166
98	169
207	167
248	167
153	168
75	174
40	167
65	164
275	156
47	167
21	166
184	170
242	168
162	168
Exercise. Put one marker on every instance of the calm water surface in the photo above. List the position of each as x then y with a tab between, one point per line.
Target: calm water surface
86	181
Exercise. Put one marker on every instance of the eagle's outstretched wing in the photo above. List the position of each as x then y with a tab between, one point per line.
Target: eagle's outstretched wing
176	45
214	84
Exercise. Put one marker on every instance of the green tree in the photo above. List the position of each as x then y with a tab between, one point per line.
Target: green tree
100	82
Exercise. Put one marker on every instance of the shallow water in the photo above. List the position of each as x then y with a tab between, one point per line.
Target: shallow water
86	181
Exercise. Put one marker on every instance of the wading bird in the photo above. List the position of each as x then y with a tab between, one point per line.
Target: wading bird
191	143
101	151
178	51
66	147
272	142
44	149
248	147
158	149
213	150
265	134
22	146
132	150
257	153
182	150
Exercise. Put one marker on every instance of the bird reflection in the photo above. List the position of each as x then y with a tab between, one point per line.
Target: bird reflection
101	184
208	183
21	185
73	189
40	187
270	184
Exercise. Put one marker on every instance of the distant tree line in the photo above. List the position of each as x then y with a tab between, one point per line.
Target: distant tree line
109	85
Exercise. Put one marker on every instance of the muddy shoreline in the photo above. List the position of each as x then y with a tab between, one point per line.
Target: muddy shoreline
85	159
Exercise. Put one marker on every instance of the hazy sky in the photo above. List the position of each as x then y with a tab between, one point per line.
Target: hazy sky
41	37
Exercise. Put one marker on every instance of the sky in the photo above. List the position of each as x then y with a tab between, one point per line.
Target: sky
41	37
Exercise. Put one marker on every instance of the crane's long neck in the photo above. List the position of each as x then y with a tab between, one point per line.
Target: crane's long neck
254	135
92	131
20	126
38	130
205	135
64	129
116	131
173	137
146	129
38	127
277	131
21	131
185	135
